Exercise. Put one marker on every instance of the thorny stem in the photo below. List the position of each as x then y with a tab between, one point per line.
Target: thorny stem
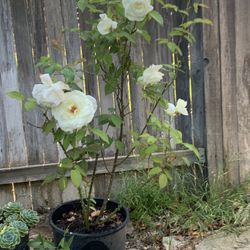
146	123
91	185
122	115
85	212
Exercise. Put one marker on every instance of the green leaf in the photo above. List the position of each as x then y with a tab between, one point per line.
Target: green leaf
196	20
80	134
127	35
151	149
30	104
101	134
197	5
59	134
76	177
192	148
171	6
49	179
150	138
16	95
66	163
109	88
157	17
82	169
93	148
174	47
82	4
154	171
48	126
68	74
163	181
66	141
62	183
116	120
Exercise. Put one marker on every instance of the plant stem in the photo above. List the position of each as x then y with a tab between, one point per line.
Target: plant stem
85	213
91	185
146	123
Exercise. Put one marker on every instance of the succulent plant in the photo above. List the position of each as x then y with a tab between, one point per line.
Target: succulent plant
1	215
9	237
30	217
11	218
12	208
21	226
1	227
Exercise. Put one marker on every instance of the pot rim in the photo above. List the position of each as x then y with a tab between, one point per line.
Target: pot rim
89	235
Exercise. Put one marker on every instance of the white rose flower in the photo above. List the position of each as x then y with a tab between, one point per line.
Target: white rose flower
76	111
180	108
49	94
151	75
106	25
136	10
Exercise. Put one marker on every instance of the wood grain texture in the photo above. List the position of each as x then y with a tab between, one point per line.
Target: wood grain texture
242	51
54	27
39	172
198	86
229	89
36	19
213	95
72	40
14	149
183	123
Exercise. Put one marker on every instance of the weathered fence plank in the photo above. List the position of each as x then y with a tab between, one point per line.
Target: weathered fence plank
14	147
54	27
197	81
39	172
229	88
183	123
212	73
242	51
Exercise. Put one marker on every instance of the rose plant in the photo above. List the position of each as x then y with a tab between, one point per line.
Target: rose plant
69	112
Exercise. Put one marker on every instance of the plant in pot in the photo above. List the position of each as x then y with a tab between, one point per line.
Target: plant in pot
15	222
69	115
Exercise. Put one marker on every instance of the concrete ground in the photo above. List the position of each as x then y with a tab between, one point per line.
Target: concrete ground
222	241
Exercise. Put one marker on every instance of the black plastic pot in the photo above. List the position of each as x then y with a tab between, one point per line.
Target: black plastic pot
23	245
113	239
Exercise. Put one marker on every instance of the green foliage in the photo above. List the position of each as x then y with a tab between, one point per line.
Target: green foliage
21	226
188	204
12	217
9	237
12	208
1	215
16	222
30	217
16	95
40	243
112	59
143	197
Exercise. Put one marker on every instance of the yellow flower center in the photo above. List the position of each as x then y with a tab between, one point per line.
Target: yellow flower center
138	5
73	109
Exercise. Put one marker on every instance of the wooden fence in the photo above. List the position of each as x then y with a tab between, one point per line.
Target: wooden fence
30	29
227	88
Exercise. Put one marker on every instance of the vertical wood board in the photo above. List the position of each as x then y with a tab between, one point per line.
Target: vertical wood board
242	50
212	76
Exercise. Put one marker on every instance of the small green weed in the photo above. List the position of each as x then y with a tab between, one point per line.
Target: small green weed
189	205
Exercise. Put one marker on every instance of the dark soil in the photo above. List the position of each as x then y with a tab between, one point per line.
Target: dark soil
73	221
145	239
